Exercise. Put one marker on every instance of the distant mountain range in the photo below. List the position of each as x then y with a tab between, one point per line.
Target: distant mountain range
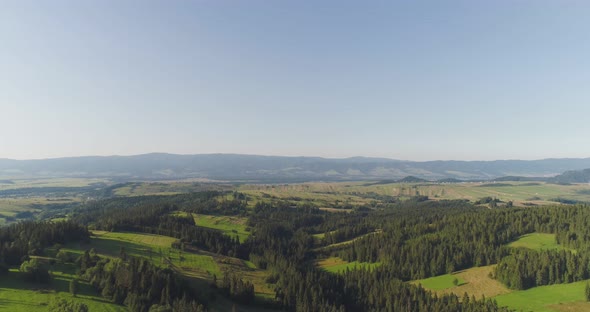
233	167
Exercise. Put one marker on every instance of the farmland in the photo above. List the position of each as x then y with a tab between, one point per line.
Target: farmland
343	194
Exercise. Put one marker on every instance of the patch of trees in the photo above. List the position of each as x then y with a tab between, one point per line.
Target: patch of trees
31	237
524	268
63	305
347	233
284	245
237	289
153	215
35	271
138	284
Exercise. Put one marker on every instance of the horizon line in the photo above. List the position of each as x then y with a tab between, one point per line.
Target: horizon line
284	156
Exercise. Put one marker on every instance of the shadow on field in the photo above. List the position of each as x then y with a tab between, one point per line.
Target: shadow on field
112	247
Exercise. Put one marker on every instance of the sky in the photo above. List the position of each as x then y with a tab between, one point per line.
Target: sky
413	80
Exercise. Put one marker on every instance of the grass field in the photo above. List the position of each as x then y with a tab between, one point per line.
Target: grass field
561	297
538	241
441	282
16	295
193	263
50	182
337	265
166	188
230	225
474	281
157	248
330	194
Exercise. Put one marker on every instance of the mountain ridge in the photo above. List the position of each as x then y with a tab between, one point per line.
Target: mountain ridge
241	167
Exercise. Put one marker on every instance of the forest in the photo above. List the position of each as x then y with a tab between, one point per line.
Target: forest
396	242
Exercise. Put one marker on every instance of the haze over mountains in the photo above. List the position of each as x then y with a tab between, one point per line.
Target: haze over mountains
233	167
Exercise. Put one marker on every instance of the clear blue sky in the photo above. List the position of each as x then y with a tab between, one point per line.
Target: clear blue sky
416	80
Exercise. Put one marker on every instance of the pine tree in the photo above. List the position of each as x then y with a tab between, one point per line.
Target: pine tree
74	287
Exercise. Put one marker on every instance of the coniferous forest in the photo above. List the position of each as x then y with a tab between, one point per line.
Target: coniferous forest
410	240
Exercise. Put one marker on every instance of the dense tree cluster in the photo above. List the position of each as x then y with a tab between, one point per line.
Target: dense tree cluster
31	237
239	290
137	283
529	268
153	214
411	239
284	245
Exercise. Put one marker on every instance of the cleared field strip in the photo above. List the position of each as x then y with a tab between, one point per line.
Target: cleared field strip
561	297
474	281
16	295
337	265
229	225
344	243
538	241
157	248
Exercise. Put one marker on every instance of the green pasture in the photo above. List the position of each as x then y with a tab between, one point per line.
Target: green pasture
157	248
337	265
538	241
329	194
441	282
16	295
166	188
229	225
546	298
49	182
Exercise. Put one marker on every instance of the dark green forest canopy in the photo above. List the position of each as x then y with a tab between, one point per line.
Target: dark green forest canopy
411	239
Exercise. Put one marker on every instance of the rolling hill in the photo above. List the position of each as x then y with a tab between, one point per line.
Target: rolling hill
234	167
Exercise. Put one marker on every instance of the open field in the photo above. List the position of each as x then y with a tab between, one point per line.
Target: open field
11	184
17	295
324	195
166	188
337	194
157	248
193	263
336	265
560	297
229	225
537	241
475	281
441	282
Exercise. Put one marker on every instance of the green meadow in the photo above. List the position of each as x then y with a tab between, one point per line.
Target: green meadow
337	194
157	248
547	298
441	282
337	265
229	225
16	295
538	241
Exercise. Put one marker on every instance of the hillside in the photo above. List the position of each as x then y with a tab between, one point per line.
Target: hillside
572	176
235	167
